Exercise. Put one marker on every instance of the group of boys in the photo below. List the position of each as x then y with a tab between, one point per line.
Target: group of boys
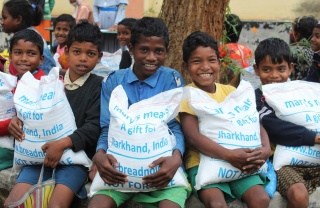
89	98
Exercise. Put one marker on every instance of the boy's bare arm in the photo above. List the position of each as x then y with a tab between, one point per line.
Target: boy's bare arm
168	168
106	164
236	157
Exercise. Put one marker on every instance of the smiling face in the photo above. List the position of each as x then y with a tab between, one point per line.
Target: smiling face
273	73
203	67
315	40
25	56
9	24
149	54
124	35
82	57
61	32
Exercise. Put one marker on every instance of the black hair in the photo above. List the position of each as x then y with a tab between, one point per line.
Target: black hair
85	32
196	39
304	26
277	49
233	26
65	18
128	22
31	14
27	35
317	26
147	27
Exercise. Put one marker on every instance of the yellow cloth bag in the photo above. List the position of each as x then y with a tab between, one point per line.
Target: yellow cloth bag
38	196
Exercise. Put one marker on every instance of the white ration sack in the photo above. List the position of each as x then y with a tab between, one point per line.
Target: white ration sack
109	63
138	135
47	116
233	123
297	102
7	110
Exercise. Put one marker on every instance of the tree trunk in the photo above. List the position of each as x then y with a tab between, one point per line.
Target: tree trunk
185	16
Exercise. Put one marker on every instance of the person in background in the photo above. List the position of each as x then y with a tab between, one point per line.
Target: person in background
61	28
43	5
18	15
236	58
82	10
47	7
83	93
124	36
314	75
107	13
301	52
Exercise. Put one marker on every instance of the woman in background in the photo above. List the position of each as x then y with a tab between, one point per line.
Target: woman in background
82	10
107	14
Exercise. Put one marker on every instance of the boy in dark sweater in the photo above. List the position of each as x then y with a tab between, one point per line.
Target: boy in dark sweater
274	65
83	93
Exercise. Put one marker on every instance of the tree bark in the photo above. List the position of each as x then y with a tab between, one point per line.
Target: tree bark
186	16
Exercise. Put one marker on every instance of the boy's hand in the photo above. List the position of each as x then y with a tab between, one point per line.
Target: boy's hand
238	157
54	151
317	139
257	161
92	172
15	128
168	168
106	164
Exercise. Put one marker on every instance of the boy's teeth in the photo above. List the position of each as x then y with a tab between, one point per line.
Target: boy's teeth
205	75
149	65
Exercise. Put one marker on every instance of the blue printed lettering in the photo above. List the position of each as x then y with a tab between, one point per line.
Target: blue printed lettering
161	144
140	172
295	162
224	173
69	160
137	185
55	129
246	106
125	145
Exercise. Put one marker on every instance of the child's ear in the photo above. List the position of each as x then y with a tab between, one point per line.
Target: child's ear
100	56
184	66
291	67
19	19
256	69
41	59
